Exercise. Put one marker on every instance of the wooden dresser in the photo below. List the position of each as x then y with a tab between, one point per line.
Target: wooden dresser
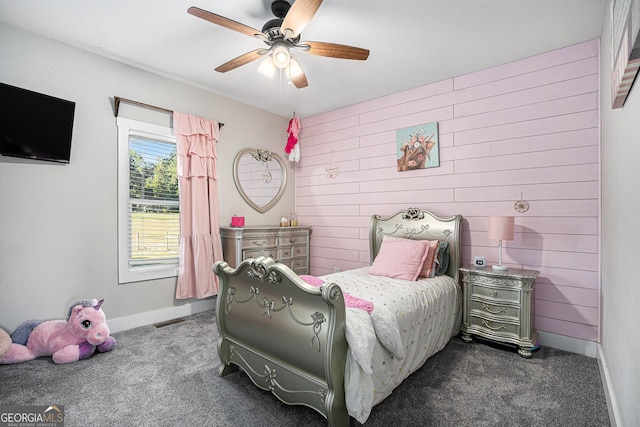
498	305
288	245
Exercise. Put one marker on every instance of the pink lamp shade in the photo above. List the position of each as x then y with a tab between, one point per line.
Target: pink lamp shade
501	227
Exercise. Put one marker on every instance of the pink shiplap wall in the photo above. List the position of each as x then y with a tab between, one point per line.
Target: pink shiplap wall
530	127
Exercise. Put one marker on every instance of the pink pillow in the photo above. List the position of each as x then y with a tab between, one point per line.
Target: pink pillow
428	269
400	258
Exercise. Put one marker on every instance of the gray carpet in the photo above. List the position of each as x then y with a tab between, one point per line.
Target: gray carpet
167	376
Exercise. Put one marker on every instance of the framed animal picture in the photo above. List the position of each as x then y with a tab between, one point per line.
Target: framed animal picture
418	147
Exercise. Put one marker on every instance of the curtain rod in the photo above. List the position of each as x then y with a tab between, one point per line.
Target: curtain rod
117	100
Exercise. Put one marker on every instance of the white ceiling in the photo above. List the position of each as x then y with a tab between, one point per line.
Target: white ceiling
412	42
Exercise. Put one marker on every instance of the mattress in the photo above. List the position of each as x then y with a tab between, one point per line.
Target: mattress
410	322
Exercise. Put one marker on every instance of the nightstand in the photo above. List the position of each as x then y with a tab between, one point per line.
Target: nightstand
498	305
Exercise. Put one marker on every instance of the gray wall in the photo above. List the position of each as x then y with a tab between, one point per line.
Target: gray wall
620	297
58	224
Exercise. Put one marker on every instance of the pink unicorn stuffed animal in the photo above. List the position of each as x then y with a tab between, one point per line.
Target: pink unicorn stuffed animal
84	332
5	343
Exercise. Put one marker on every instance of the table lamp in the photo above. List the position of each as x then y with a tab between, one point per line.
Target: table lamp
501	228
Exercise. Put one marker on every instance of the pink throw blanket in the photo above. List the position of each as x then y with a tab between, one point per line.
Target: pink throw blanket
349	300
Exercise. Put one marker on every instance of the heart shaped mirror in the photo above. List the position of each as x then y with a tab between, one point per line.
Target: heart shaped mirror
260	177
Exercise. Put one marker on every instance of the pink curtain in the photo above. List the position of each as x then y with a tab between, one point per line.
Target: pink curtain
200	244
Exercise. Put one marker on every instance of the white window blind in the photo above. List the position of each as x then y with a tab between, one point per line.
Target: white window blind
154	222
148	204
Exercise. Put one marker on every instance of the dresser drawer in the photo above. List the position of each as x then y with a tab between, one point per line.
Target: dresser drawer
255	253
299	251
495	309
495	293
284	253
299	264
258	242
293	239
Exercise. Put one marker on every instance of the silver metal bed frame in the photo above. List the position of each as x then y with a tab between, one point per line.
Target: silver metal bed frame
289	336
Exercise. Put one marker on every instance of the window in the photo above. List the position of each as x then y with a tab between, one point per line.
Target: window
148	206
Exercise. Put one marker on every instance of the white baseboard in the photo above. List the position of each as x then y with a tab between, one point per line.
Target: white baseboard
612	403
574	345
169	313
590	349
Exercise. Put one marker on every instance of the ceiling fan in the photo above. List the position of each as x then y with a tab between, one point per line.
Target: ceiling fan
282	35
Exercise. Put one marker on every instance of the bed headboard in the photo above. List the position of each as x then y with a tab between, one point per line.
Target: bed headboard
418	224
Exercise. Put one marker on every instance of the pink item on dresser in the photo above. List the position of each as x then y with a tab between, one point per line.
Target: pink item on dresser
237	221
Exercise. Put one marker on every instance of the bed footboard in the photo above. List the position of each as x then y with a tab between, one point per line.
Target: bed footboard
286	335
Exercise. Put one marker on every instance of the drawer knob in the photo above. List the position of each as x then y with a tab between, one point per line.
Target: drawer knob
293	240
259	243
496	328
493	293
498	311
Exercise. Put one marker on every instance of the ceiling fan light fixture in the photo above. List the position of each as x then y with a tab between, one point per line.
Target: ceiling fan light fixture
281	56
281	35
294	69
267	67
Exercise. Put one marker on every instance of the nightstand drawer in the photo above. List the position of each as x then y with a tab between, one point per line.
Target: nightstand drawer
501	281
495	293
495	327
495	309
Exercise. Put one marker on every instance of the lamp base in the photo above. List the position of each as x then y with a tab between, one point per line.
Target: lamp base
500	267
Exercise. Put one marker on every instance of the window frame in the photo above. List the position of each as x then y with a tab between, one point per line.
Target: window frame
127	273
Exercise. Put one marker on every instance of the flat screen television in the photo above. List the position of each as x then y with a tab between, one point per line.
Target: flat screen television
34	125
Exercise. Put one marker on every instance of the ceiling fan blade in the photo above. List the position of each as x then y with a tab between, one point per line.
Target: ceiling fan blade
298	17
335	50
241	60
297	76
224	22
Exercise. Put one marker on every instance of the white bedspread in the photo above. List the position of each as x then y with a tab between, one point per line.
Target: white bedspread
410	322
